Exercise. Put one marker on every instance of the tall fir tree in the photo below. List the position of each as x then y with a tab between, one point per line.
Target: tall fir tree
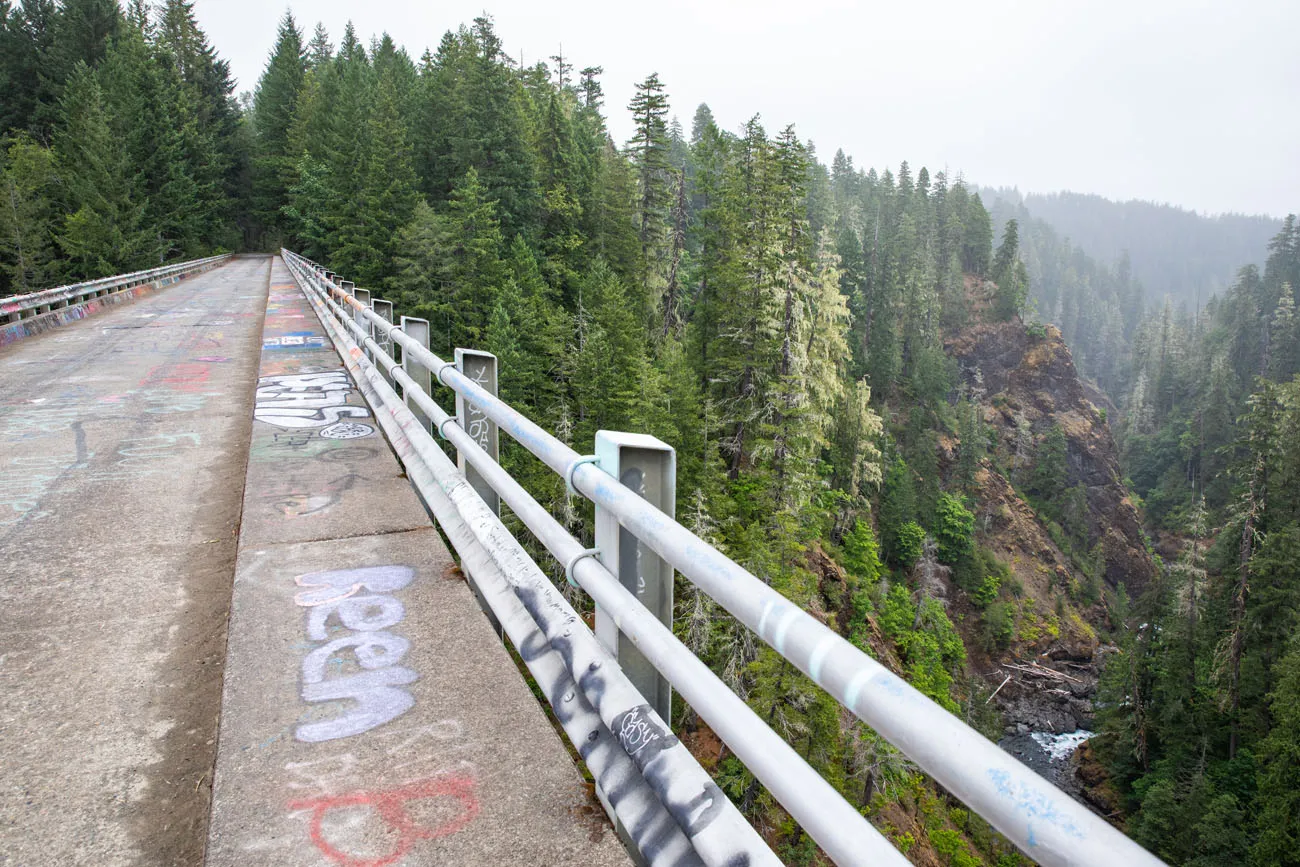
649	148
104	232
274	103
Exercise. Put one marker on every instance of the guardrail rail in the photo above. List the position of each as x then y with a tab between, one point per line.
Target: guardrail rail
22	315
658	796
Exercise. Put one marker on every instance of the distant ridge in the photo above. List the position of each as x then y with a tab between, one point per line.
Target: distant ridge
1173	251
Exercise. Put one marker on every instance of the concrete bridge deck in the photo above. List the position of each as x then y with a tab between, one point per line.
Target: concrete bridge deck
370	715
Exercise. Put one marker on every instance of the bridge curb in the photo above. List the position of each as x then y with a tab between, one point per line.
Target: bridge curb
439	753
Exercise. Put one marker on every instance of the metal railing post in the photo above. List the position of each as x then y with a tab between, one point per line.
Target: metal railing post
380	336
482	368
362	295
649	467
418	330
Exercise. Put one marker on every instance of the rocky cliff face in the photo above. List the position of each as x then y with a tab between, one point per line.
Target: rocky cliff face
1029	379
1026	383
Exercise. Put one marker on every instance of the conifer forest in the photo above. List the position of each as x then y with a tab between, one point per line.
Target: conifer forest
1027	454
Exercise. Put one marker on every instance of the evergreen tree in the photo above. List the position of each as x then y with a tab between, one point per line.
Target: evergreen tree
80	33
104	232
1008	274
151	111
609	364
219	160
367	234
977	241
274	104
897	512
650	151
1050	475
26	36
28	216
320	51
1278	822
449	266
473	109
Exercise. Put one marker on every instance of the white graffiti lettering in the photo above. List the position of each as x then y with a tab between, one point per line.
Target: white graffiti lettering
347	430
306	400
636	732
375	691
479	427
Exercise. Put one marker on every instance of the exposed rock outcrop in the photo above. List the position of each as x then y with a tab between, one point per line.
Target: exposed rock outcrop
1030	378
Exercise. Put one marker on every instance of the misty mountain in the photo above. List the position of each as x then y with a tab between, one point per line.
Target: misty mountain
1173	251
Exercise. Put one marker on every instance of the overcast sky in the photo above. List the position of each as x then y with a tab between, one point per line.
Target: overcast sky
1192	103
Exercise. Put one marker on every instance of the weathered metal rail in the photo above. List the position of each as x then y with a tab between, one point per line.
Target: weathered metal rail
19	309
1040	819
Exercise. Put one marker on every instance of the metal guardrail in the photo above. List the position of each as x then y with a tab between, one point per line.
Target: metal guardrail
17	308
1040	819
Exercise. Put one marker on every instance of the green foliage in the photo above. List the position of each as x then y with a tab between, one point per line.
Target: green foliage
449	268
610	367
897	509
649	149
779	322
800	854
909	540
974	572
1278	823
927	641
1009	274
1050	475
999	626
274	102
973	442
28	215
861	553
122	145
952	847
954	530
987	591
732	778
366	233
1198	702
104	232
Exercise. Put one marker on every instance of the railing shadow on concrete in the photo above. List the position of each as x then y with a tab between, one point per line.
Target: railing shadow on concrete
25	315
1041	820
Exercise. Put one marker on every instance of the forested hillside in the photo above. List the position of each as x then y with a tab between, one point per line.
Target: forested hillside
1096	302
123	147
1202	699
1198	707
1174	251
862	417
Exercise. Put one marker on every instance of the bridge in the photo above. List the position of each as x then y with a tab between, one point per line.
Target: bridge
262	608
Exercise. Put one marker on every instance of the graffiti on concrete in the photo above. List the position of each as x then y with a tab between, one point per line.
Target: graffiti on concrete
145	451
293	501
374	686
420	748
347	430
391	807
294	339
306	400
355	657
188	376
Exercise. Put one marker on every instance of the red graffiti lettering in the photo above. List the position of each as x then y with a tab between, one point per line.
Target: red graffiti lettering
181	376
391	807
